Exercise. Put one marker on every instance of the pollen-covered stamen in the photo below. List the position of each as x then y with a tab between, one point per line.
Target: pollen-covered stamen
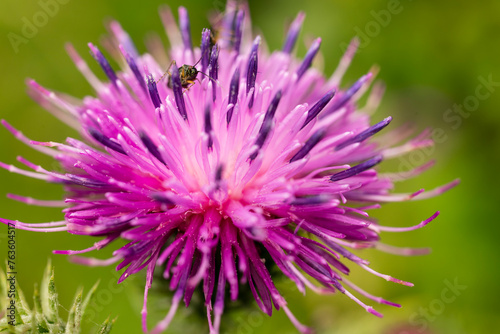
238	30
348	94
311	53
133	67
214	69
293	33
177	88
233	93
208	126
185	28
103	62
151	146
356	169
101	138
309	144
205	49
153	92
252	69
267	124
364	134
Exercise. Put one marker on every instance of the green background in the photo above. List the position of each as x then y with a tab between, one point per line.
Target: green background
431	55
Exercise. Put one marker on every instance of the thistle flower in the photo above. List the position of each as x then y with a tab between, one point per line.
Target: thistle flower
206	175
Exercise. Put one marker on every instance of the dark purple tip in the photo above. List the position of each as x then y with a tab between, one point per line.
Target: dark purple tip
273	106
205	49
151	146
134	68
208	126
252	69
101	138
137	249
309	144
185	28
162	198
218	173
214	69
317	270
364	134
233	93
310	200
226	32
348	94
177	88
318	107
103	62
153	92
293	33
311	53
110	226
238	30
356	169
86	182
267	124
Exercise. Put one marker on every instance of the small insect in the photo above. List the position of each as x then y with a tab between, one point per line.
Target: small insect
187	73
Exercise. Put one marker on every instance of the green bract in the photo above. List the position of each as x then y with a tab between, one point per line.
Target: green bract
44	316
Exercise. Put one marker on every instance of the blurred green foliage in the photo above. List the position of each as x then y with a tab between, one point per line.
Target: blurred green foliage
432	55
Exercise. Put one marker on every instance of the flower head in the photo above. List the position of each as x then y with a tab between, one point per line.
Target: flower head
232	155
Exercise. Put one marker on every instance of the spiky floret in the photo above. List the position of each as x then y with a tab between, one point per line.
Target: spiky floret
262	157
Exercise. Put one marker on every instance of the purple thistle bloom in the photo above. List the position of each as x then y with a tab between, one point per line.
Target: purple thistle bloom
262	156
